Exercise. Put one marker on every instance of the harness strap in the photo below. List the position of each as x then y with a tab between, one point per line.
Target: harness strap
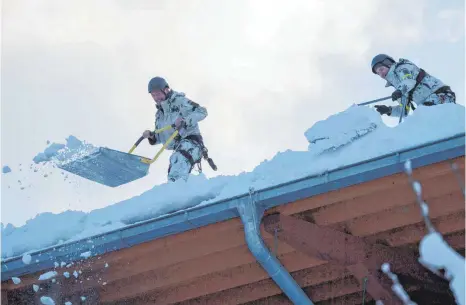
188	156
422	73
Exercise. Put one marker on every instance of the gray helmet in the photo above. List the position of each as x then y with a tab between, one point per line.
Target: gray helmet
157	83
381	59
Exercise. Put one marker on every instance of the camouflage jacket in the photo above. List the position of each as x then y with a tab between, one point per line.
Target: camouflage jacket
177	105
402	76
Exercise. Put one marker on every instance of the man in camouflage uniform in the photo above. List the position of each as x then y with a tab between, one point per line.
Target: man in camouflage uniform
419	86
175	109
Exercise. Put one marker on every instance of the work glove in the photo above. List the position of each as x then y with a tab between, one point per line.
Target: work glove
396	95
382	109
148	134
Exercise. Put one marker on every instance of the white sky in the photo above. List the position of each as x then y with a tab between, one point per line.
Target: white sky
265	71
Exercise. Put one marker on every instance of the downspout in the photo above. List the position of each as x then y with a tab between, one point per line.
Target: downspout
251	215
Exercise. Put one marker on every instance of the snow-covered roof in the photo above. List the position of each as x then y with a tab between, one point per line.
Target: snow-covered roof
348	148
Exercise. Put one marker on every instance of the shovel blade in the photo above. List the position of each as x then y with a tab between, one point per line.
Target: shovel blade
108	167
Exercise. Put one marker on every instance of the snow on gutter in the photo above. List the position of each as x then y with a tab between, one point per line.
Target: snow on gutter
203	215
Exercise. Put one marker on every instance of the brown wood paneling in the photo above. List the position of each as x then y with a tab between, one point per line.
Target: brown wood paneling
361	189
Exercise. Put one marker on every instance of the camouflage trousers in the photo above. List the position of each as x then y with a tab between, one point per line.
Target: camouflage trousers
186	154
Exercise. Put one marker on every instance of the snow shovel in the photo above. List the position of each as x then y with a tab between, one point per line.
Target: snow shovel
114	168
375	101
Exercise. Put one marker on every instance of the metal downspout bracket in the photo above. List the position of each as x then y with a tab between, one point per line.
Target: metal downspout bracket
251	215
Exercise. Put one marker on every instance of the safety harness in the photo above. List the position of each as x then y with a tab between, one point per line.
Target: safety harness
419	78
197	139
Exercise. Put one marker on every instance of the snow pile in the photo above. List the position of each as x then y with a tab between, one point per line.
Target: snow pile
342	129
290	165
437	254
38	233
355	135
61	154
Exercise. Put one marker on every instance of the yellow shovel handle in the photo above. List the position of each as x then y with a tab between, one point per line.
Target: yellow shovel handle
162	149
142	138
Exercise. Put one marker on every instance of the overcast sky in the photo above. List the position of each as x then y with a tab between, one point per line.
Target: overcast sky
265	70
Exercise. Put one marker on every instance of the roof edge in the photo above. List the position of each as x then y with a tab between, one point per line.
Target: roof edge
202	215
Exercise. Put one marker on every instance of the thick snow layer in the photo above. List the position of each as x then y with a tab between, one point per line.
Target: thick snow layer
355	135
437	254
342	129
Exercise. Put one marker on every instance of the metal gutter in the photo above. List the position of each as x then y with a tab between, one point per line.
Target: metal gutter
251	215
199	216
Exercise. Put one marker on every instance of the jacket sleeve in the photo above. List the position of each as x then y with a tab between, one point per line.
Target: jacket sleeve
192	112
407	73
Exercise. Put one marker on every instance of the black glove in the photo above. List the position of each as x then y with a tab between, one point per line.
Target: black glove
382	109
396	95
152	139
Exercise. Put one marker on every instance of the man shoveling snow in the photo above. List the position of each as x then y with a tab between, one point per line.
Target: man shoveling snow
419	86
174	108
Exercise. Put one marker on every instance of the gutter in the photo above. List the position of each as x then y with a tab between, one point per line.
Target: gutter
251	215
202	215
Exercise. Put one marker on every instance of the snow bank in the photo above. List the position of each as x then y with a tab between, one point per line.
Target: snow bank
355	135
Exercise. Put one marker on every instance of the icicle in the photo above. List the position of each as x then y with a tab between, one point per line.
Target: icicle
396	287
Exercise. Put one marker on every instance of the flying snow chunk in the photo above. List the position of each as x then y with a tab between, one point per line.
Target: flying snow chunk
86	254
68	303
48	153
47	300
16	280
48	275
408	167
35	287
436	253
342	128
62	153
27	258
6	169
66	274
